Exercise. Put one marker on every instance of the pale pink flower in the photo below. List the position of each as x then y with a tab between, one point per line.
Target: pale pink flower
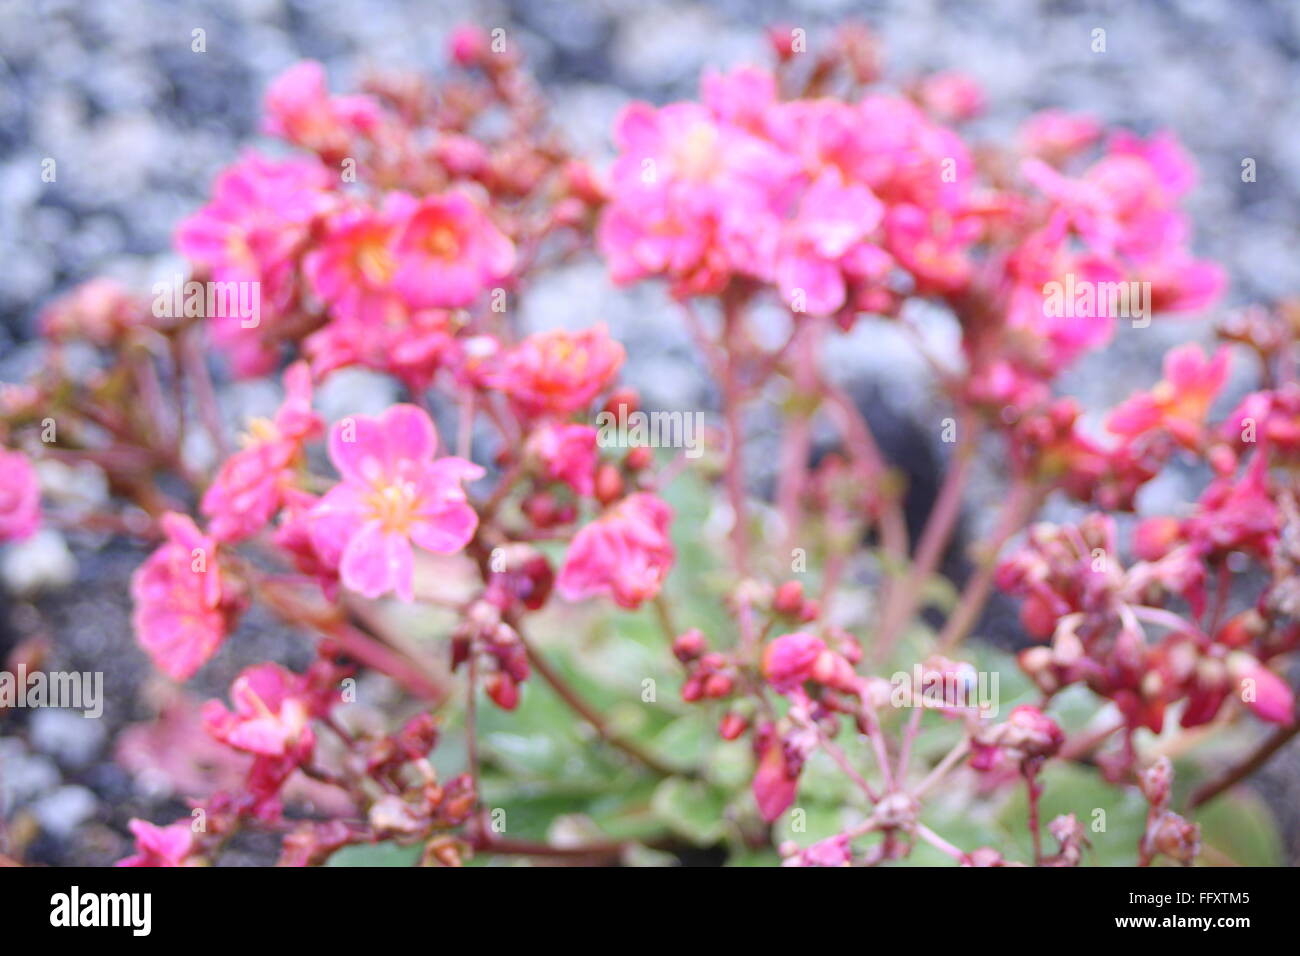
566	453
1056	134
161	846
951	96
20	497
741	97
181	614
249	488
99	311
300	110
449	252
625	554
559	372
393	494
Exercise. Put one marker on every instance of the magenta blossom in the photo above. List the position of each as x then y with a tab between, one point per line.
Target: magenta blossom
393	494
20	497
181	614
249	488
271	715
449	252
789	660
161	846
625	554
300	110
566	453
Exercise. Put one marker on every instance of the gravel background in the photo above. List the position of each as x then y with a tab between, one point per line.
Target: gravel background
138	124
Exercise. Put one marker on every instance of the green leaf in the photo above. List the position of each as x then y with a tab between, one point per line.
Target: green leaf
379	854
693	810
1239	828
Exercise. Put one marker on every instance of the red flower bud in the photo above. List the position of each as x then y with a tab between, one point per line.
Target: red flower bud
789	599
689	645
638	458
732	726
503	690
609	484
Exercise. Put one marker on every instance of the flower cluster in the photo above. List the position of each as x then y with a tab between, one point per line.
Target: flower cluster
427	542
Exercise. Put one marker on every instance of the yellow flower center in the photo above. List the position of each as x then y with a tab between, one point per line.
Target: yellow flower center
442	242
375	262
394	505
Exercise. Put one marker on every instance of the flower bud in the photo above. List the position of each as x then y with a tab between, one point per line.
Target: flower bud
638	458
609	484
689	645
732	726
788	599
789	660
1156	537
1156	781
503	690
1241	629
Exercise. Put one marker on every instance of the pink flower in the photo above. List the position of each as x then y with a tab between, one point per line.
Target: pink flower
833	851
411	346
354	266
1237	514
788	661
625	554
1269	416
937	258
248	489
566	453
393	494
833	223
1057	135
1268	696
181	614
1027	735
449	252
294	535
300	110
559	372
271	716
951	96
776	778
99	311
161	846
1181	400
468	44
20	497
251	231
741	97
